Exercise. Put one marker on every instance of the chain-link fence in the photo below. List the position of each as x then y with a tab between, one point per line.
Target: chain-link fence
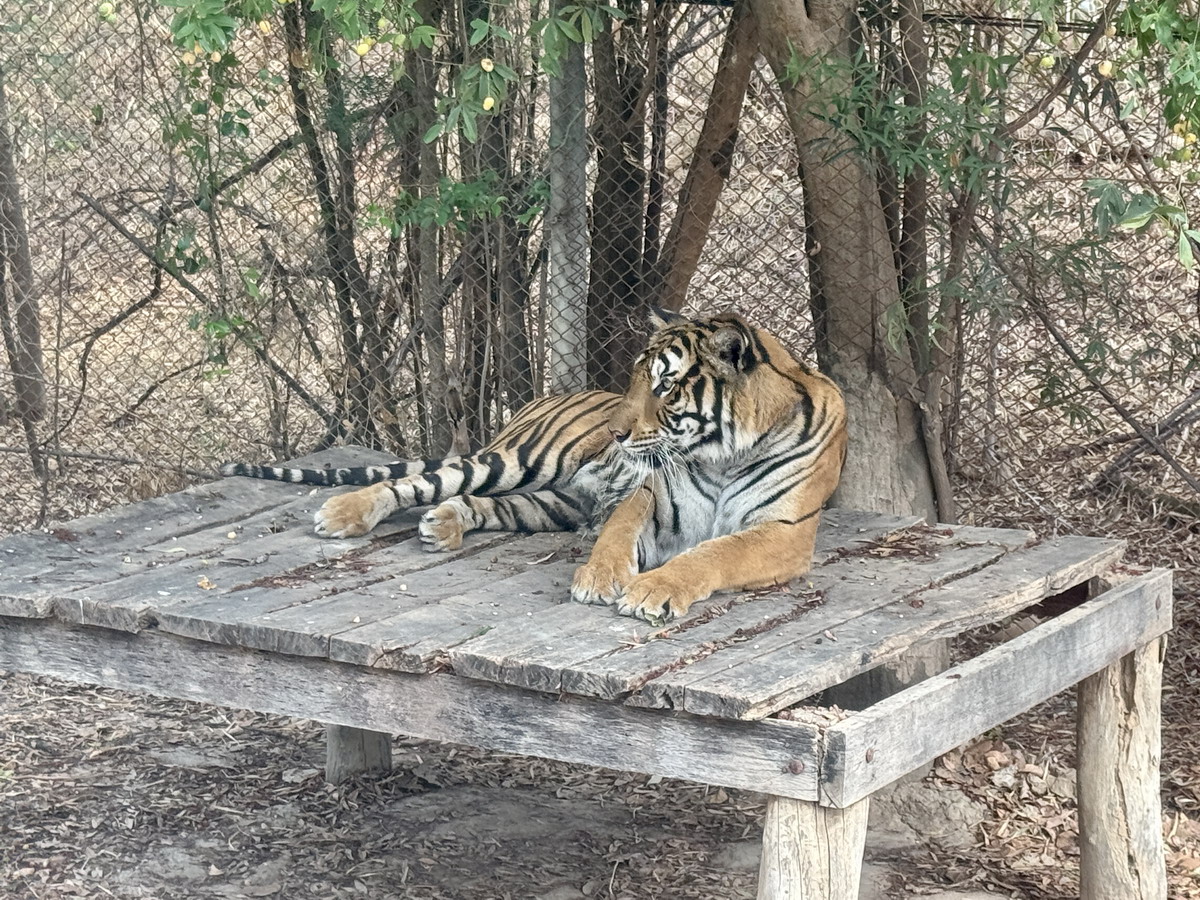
299	240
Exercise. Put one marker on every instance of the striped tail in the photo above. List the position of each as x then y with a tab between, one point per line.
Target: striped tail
361	475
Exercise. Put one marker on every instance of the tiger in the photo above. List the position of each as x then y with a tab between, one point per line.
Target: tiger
707	474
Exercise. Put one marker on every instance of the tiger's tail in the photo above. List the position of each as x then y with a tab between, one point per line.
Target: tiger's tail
333	476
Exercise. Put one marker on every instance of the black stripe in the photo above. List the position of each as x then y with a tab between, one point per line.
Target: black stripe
468	470
790	486
803	518
554	515
495	464
436	484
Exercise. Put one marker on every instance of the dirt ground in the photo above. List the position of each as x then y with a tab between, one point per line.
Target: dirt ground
106	794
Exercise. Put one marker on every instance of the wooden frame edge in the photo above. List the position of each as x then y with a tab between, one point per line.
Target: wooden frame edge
775	757
863	754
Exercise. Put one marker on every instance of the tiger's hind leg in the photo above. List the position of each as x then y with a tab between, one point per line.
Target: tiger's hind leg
443	527
356	513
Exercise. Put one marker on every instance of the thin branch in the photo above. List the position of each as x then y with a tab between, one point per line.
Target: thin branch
187	285
1035	304
1064	80
105	457
149	392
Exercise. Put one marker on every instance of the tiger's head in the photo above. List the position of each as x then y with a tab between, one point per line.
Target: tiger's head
705	388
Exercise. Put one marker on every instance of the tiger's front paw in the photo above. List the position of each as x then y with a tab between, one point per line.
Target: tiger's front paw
349	515
443	527
601	581
656	596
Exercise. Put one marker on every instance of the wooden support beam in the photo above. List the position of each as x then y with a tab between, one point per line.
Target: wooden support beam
776	756
811	852
1119	749
873	748
355	751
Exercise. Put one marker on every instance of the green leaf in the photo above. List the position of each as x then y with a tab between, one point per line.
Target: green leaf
1185	251
570	31
479	31
470	131
434	132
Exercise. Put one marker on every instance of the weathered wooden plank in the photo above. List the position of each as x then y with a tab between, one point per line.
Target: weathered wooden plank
533	649
285	620
609	663
1117	759
811	852
135	601
778	757
245	615
423	639
533	653
610	672
518	578
773	680
848	528
39	568
848	586
872	748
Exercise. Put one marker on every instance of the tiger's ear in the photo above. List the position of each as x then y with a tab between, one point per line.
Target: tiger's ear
730	344
660	318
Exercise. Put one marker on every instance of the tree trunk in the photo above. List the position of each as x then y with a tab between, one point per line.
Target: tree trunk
914	255
886	469
335	204
615	299
18	303
566	222
440	426
710	166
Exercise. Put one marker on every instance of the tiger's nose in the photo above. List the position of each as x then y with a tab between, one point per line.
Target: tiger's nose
619	436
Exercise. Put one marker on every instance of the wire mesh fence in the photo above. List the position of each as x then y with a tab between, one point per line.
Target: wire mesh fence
300	240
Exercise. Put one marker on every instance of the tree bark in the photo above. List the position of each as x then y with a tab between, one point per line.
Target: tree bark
615	298
711	162
335	204
18	302
887	469
566	222
440	422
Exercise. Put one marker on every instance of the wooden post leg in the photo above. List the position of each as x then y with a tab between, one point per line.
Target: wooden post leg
352	751
811	852
1119	748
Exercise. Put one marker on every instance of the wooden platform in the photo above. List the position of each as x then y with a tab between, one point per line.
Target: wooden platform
222	593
